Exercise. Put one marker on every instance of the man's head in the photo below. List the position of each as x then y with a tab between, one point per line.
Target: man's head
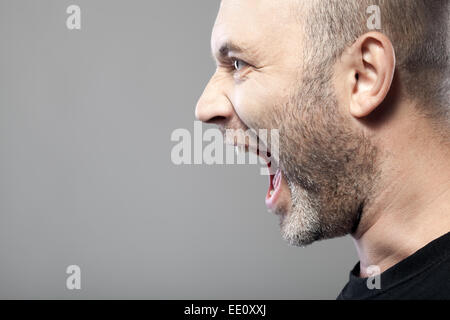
312	70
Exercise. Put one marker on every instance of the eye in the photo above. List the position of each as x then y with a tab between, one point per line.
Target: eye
239	64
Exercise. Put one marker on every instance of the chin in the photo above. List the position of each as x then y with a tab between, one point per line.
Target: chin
300	226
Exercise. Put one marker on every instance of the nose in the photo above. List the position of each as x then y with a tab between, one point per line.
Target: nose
214	105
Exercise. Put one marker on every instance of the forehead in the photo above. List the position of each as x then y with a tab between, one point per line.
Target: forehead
252	24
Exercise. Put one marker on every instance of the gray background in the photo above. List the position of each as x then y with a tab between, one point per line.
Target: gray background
86	176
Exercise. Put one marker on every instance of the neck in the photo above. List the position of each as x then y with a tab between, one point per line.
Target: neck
413	207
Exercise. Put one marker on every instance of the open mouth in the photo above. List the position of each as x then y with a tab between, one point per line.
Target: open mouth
273	194
275	176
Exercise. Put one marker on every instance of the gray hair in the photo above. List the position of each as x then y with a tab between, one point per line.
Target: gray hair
419	32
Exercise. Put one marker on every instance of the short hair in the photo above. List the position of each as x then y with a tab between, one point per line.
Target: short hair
418	30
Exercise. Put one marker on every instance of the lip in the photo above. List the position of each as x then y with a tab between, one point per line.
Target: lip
275	182
265	155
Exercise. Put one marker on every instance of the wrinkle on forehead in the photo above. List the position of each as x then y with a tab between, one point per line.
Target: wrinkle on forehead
258	26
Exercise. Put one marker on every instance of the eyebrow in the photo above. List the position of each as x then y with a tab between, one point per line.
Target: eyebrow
226	48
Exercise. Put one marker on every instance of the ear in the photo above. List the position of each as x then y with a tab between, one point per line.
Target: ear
371	63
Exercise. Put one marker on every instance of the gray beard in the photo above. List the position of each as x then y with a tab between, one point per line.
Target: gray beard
301	226
330	169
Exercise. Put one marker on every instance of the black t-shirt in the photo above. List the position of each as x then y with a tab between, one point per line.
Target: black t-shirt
423	275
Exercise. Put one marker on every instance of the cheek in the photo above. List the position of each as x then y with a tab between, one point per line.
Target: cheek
256	102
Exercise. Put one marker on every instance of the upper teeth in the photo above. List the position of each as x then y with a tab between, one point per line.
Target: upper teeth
239	149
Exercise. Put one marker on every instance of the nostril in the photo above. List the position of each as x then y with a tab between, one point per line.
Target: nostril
216	120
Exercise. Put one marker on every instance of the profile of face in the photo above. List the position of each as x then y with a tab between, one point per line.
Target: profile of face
264	80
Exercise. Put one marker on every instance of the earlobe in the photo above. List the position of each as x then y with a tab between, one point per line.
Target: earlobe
373	61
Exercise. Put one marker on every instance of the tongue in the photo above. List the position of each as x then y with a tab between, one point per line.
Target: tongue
274	181
271	188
